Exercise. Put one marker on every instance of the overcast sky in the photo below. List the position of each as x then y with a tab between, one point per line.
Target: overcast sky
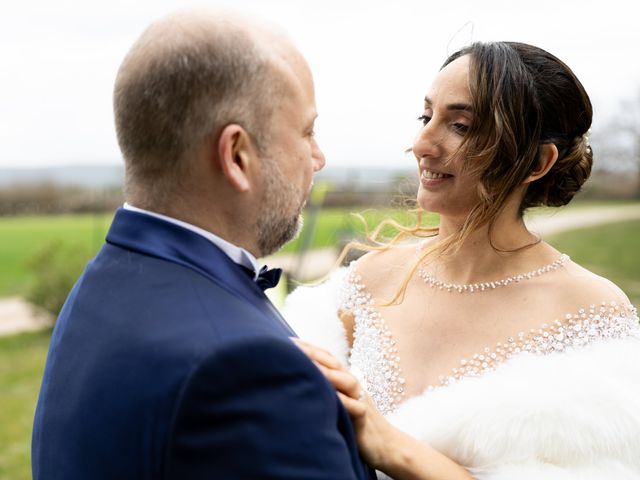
372	61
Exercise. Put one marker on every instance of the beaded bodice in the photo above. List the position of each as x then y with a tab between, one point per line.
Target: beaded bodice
374	357
375	360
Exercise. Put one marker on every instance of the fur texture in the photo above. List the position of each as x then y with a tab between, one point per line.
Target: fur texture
573	415
312	313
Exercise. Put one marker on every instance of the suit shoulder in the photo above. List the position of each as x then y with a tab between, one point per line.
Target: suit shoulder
253	357
260	372
258	398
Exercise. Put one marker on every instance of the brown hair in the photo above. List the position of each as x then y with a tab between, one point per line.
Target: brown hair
181	82
522	97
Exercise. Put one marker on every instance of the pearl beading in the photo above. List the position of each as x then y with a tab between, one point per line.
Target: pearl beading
608	321
375	361
474	287
374	356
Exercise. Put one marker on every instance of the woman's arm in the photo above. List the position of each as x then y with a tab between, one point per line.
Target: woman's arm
383	446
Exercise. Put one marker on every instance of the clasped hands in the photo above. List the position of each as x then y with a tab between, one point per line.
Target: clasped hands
373	432
383	446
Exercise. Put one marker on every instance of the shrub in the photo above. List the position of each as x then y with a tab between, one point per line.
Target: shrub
55	268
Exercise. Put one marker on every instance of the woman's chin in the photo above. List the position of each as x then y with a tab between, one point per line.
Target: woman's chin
427	202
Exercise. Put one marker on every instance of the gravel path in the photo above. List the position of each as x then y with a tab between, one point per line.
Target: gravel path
557	221
16	315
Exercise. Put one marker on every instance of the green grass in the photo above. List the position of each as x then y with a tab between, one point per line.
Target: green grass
21	364
337	226
22	237
611	250
580	204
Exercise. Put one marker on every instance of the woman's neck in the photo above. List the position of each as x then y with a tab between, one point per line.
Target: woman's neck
504	249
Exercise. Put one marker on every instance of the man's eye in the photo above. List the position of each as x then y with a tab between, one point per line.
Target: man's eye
424	119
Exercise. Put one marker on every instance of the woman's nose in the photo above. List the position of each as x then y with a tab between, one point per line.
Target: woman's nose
427	143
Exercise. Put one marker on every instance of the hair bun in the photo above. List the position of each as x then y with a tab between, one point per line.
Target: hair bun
566	177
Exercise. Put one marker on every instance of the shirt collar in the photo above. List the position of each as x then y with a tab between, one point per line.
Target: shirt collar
236	254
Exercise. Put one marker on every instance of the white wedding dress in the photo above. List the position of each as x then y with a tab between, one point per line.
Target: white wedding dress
562	402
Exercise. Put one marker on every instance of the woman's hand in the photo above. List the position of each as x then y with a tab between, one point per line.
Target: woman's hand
372	430
383	446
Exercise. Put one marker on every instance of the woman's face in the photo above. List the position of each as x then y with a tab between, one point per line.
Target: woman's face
447	116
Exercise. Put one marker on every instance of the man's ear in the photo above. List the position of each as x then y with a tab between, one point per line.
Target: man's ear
546	160
236	156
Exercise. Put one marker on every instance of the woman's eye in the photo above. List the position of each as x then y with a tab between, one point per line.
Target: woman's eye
461	128
424	119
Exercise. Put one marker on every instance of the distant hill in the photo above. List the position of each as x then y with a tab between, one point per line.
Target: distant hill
358	177
90	176
104	176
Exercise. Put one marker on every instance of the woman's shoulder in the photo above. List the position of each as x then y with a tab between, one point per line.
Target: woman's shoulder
581	286
376	270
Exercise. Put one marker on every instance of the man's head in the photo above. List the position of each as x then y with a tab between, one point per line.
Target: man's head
214	117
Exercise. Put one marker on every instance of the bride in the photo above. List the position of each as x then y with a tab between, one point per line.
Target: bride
483	351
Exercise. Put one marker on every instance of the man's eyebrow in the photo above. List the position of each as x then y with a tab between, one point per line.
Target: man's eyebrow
452	106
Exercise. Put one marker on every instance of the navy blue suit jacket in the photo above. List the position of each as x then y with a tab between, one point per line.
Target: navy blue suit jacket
168	362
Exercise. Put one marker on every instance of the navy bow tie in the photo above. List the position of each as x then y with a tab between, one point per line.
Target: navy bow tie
267	278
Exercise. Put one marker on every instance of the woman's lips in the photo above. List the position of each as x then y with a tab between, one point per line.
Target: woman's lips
432	178
433	175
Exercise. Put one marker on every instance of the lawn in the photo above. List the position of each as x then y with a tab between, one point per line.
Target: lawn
611	250
336	226
22	237
21	364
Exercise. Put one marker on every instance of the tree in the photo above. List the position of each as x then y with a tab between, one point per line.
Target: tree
617	143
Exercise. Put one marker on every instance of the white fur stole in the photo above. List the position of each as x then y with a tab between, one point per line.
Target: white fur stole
572	415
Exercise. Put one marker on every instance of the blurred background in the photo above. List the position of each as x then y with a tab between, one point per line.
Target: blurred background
61	171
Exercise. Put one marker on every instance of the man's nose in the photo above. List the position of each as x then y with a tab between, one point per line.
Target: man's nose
319	160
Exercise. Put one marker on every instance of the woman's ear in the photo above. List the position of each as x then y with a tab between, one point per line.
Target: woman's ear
546	159
236	155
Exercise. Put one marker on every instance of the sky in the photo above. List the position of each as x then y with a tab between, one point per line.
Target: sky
373	62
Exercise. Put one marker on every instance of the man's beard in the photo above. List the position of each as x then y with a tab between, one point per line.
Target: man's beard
275	225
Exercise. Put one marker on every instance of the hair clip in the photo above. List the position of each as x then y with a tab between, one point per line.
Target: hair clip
585	139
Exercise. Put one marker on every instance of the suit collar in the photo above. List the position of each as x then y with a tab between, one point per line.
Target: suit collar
236	254
161	239
158	238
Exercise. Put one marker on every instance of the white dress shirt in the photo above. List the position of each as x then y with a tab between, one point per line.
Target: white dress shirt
236	254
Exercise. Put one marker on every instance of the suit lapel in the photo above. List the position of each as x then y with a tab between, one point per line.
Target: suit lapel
155	237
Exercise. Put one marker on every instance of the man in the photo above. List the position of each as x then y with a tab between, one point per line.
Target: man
167	360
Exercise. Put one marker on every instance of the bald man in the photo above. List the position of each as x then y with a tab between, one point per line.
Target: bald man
167	360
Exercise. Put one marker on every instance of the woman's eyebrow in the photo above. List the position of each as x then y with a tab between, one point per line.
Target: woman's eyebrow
452	106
